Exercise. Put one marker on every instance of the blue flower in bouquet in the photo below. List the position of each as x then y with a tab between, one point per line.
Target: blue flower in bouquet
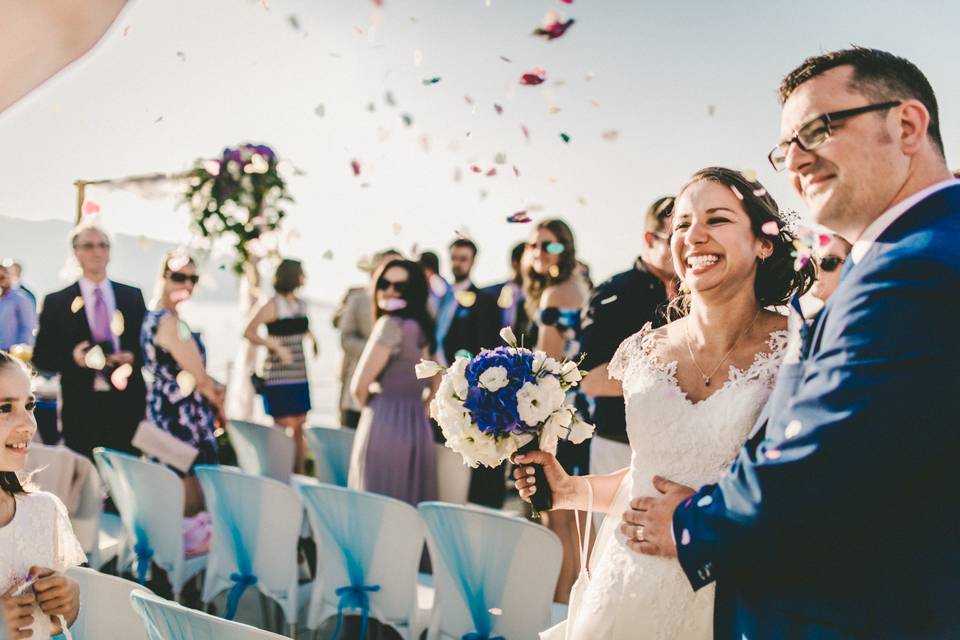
493	379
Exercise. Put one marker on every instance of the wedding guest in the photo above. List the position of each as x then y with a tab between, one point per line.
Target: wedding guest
467	322
829	266
509	294
286	389
440	291
37	543
555	296
18	316
841	521
393	453
16	277
94	313
618	308
354	320
182	399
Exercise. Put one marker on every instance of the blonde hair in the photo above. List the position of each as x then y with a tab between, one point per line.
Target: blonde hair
165	269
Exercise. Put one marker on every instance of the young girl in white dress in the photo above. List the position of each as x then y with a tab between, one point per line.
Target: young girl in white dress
36	541
693	390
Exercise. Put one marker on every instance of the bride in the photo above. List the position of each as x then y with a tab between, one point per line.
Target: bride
693	390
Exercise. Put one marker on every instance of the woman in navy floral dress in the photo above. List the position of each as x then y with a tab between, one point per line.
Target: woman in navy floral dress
182	398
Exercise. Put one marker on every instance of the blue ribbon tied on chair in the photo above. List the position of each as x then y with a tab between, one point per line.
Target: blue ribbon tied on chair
240	583
355	597
144	553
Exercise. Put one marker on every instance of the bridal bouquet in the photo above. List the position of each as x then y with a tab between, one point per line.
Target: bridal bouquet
504	401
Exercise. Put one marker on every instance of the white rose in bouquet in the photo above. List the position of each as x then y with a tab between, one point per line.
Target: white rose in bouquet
570	372
580	430
457	373
476	447
543	362
555	428
494	379
536	401
427	369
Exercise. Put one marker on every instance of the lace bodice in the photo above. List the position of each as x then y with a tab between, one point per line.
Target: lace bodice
632	596
39	535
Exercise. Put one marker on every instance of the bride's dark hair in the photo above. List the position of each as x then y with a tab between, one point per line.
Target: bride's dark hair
9	481
777	281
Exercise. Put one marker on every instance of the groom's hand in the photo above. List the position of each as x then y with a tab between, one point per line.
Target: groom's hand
648	524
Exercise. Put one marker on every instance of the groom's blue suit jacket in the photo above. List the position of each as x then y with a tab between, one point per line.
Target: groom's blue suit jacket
844	520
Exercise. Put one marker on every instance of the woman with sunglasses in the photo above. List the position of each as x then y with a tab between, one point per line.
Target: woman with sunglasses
182	399
285	390
393	452
556	291
828	268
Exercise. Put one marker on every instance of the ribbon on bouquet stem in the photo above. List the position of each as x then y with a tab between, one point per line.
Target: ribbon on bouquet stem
355	597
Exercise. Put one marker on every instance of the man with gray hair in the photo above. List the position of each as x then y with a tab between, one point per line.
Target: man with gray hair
90	334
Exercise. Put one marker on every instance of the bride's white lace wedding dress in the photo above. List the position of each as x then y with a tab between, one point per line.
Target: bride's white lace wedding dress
632	596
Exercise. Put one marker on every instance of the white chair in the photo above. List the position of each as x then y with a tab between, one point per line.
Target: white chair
150	498
74	479
256	528
105	610
262	450
453	476
368	552
166	620
483	562
331	447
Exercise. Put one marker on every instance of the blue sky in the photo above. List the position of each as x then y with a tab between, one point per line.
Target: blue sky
652	72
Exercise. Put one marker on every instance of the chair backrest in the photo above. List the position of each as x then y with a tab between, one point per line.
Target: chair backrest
262	450
363	540
453	476
493	574
331	447
166	620
256	527
105	610
72	478
149	497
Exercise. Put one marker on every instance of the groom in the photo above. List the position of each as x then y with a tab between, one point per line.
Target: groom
844	519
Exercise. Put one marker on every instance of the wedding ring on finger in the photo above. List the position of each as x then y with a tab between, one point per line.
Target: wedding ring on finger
638	534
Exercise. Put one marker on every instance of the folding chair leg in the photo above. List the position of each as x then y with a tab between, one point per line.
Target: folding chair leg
265	617
293	629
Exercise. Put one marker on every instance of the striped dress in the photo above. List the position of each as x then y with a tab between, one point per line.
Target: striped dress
287	390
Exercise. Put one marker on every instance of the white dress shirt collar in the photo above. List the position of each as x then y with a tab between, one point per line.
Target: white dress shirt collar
888	217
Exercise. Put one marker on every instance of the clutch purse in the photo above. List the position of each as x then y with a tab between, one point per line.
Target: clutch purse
164	446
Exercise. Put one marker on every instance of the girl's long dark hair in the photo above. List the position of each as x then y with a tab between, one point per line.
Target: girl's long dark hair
9	482
415	294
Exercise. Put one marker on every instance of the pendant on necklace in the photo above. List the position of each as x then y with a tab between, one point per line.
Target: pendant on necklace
706	382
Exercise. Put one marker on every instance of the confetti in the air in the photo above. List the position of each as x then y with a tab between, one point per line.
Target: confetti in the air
491	172
500	158
516	171
186	382
126	30
294	22
496	611
182	56
505	300
519	217
554	110
526	132
90	207
355	166
772	454
793	429
610	135
760	192
609	300
429	81
554	26
120	376
389	99
117	324
534	77
685	537
320	111
466	298
76	305
736	192
506	59
94	358
158	120
711	110
565	137
749	174
475	169
770	228
554	271
705	501
407	119
497	108
327	255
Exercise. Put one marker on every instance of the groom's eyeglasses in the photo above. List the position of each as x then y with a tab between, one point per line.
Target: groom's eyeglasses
830	263
817	131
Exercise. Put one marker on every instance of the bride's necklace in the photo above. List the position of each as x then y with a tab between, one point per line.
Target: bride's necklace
706	377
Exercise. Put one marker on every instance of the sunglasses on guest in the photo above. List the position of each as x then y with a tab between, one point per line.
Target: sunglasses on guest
400	286
830	262
90	246
180	278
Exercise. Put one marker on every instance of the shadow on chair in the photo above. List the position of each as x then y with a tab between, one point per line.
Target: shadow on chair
166	620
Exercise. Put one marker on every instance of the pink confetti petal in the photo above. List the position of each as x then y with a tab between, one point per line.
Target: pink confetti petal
526	132
516	171
686	505
770	228
120	376
90	207
685	538
497	108
492	172
773	454
824	240
554	26
355	166
534	77
520	217
475	169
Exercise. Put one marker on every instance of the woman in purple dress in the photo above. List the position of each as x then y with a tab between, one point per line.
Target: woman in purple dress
393	453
